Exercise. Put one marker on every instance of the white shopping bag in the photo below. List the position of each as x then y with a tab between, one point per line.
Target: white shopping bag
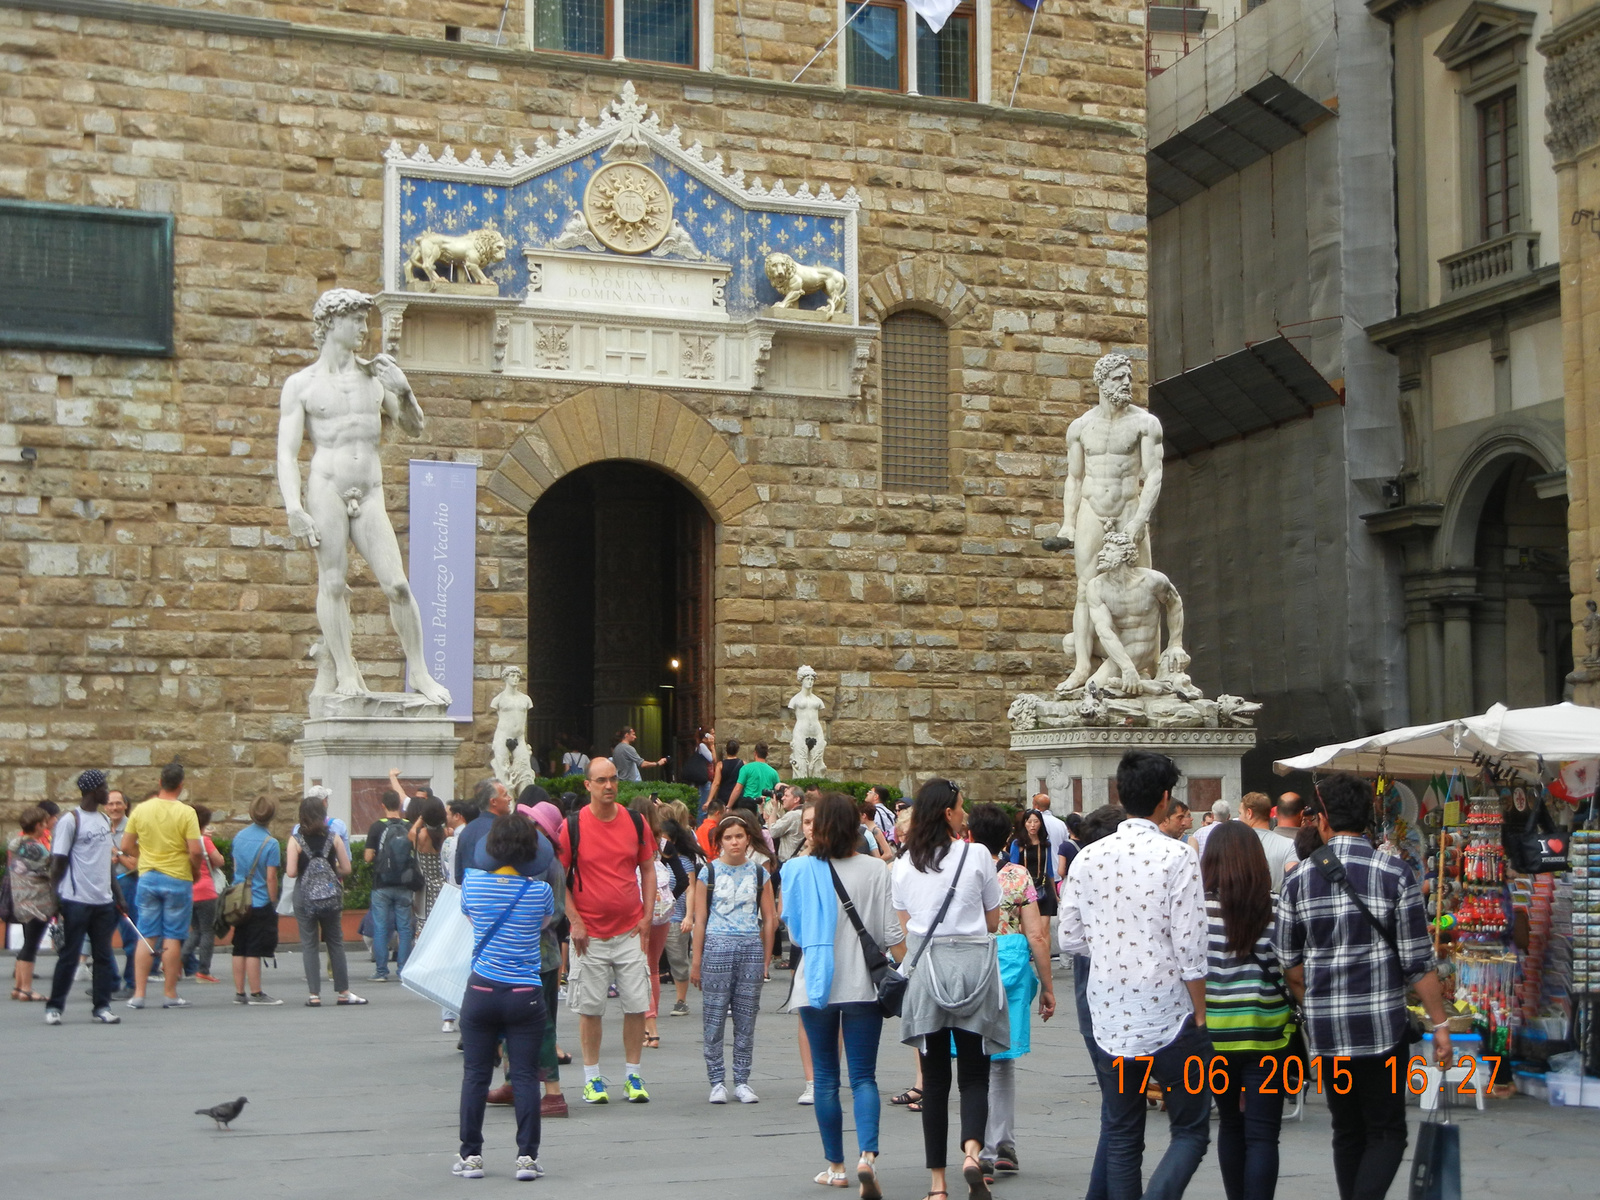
442	958
286	897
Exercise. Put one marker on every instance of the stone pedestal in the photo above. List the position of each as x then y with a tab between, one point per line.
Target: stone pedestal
1078	767
351	742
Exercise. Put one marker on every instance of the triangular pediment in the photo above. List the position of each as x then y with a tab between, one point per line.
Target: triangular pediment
1482	29
679	204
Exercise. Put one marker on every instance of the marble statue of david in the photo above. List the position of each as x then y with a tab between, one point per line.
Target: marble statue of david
340	401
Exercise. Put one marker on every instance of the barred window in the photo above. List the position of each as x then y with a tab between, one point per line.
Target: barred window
652	30
916	403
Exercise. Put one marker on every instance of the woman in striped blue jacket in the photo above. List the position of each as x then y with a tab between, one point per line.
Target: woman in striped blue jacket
1247	1011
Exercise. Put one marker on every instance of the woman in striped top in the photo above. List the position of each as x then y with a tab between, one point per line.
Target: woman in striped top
504	994
1247	1010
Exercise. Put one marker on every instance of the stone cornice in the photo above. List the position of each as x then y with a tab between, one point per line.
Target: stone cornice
1392	10
1527	290
272	29
1572	79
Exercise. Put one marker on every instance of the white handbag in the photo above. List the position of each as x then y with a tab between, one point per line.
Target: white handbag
442	958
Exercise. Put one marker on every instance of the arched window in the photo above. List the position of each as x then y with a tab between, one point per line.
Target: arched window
916	403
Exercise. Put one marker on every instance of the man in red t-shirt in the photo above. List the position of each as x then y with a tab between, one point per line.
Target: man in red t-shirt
610	925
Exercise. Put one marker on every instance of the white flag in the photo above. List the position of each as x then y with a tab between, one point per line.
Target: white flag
934	12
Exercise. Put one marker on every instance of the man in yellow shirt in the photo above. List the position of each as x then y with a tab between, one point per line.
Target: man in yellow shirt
165	835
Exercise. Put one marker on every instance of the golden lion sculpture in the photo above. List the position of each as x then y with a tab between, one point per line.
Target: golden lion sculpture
470	251
795	280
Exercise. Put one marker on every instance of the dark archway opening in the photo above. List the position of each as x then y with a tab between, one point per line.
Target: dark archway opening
1521	629
619	607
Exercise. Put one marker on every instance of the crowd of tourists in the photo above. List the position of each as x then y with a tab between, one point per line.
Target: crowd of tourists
1258	949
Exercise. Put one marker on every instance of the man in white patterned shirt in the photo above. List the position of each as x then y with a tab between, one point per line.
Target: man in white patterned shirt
1134	903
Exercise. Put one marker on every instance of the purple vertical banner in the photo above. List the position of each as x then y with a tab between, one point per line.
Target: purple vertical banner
444	575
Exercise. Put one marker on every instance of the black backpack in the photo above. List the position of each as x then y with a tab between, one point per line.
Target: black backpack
695	770
572	842
395	864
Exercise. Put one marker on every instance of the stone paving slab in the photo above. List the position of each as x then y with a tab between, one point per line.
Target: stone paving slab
362	1101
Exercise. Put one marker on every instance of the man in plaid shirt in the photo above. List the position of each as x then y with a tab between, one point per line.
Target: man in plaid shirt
1352	984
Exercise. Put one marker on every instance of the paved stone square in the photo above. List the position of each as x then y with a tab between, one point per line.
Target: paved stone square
363	1102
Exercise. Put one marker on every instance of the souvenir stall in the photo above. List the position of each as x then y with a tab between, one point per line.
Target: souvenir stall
1497	814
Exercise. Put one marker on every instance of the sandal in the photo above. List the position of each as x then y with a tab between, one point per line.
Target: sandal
914	1106
350	998
867	1176
910	1096
314	1002
25	995
977	1188
652	1041
828	1177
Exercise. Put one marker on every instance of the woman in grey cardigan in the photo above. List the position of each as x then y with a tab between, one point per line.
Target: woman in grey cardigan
948	901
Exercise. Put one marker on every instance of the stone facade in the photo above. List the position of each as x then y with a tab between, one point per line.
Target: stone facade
1572	72
152	603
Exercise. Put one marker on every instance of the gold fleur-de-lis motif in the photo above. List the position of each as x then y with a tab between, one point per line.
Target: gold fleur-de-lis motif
727	216
530	230
589	162
709	202
551	186
746	262
690	186
449	192
409	217
817	239
550	215
764	249
800	224
689	215
727	245
671	172
469	208
764	221
429	205
409	188
783	237
569	174
746	234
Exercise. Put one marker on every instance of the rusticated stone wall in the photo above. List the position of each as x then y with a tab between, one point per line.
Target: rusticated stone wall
151	601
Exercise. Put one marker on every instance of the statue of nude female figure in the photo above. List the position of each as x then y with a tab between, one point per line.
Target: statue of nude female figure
1113	481
341	400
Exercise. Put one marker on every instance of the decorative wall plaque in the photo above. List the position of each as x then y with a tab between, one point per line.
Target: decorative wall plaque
628	207
95	279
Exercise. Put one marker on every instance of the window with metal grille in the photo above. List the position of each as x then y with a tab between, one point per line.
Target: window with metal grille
877	54
1499	165
945	65
873	55
916	403
659	31
577	26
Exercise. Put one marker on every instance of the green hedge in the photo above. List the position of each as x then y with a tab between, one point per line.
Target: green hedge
853	788
357	887
686	792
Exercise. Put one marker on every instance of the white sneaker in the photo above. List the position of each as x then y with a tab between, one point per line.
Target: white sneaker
529	1168
448	1027
135	1001
52	1017
106	1017
175	1002
745	1094
806	1096
719	1094
470	1167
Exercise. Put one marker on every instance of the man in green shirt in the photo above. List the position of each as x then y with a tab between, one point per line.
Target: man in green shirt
754	777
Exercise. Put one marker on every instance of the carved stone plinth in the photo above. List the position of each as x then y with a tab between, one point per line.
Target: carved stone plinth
351	755
446	288
1057	757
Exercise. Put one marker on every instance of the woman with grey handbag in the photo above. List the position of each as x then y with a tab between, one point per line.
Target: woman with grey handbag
948	900
835	901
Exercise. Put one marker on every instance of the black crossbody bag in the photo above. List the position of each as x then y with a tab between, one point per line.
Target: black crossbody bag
1331	869
889	982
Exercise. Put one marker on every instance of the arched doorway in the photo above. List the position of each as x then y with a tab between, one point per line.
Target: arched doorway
619	611
1521	628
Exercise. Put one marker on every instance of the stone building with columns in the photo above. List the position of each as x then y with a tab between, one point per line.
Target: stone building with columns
684	492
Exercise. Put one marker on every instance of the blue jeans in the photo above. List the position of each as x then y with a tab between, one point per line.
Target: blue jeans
862	1025
491	1011
391	908
1104	1073
129	884
1247	1138
1188	1115
165	905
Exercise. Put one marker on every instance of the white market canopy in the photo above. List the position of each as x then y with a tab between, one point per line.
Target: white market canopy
1517	738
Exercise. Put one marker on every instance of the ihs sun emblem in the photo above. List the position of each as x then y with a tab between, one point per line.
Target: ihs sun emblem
628	207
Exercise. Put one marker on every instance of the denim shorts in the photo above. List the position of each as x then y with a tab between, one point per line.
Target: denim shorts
165	904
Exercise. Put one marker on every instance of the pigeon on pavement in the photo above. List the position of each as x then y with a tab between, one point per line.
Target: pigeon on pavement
223	1113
